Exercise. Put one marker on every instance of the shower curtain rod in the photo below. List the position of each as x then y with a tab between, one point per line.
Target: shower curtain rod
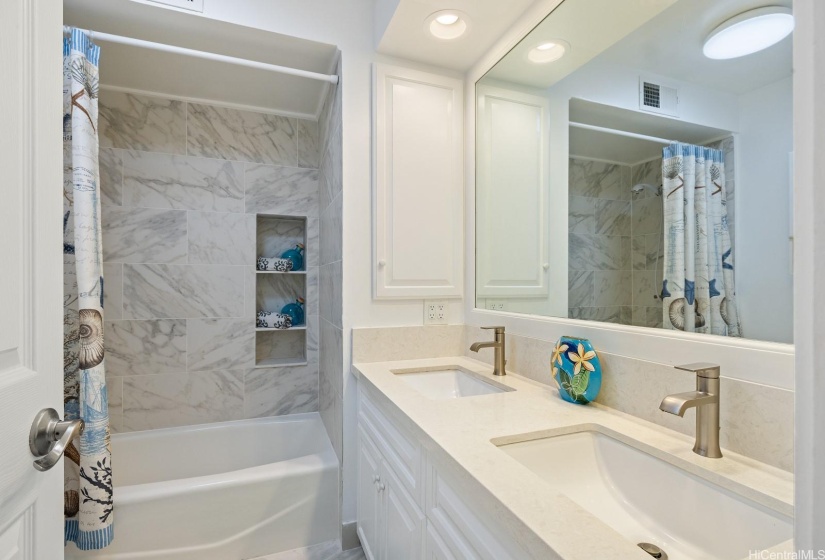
621	133
332	79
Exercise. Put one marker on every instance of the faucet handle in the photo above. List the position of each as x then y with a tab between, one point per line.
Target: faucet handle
497	329
702	369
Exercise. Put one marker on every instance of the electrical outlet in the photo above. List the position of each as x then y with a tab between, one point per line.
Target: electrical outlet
435	312
495	305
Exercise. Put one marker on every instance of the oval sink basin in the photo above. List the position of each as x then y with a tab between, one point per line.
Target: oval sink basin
448	383
648	500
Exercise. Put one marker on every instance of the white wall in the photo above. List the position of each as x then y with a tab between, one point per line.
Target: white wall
809	280
618	86
764	283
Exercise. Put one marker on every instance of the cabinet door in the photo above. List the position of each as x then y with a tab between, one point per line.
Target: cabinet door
369	464
512	196
436	548
403	522
419	184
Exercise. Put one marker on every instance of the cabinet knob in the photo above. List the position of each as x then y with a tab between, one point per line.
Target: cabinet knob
375	478
382	487
546	266
382	264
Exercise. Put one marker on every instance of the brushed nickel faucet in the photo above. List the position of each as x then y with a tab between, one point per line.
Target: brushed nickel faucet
706	401
498	345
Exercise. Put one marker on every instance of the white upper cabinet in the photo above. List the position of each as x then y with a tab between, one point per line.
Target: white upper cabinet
512	194
418	184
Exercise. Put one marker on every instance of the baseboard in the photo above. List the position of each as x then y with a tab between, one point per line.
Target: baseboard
349	536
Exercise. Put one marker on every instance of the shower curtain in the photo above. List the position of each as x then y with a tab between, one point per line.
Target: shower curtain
87	489
698	286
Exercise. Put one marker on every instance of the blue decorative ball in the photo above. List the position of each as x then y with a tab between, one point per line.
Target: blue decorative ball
576	369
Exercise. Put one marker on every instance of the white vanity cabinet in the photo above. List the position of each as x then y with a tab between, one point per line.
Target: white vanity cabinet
408	507
390	517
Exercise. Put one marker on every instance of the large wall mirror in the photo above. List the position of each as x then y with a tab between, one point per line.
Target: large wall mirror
630	170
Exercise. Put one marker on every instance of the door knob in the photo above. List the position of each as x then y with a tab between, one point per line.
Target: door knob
50	436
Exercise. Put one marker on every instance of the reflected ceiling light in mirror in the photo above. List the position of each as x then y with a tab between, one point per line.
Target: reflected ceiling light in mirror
447	24
749	32
548	51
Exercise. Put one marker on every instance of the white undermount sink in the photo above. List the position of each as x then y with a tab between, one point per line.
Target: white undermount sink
646	499
448	383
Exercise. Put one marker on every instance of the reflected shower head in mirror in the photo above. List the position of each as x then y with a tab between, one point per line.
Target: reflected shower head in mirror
641	187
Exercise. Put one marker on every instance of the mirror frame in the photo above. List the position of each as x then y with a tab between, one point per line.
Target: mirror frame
768	363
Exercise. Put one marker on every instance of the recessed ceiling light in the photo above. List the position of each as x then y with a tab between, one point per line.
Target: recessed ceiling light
749	32
447	24
548	51
447	19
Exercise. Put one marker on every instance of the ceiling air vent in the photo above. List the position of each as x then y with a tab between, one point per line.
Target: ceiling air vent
656	98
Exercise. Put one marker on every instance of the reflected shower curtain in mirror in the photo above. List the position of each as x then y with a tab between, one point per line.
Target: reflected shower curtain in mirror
698	285
87	466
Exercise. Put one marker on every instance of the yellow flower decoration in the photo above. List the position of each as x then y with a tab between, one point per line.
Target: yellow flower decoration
582	359
558	352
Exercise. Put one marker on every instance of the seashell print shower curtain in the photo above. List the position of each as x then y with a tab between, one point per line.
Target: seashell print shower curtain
698	286
88	465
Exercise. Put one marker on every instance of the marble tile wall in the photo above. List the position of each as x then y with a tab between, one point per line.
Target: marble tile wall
180	185
647	246
328	153
599	259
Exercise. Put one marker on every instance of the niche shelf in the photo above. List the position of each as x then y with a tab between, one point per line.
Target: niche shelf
275	234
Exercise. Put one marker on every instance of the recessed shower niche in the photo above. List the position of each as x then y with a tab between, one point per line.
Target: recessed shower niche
275	289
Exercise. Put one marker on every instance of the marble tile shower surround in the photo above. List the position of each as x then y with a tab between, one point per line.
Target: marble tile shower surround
647	243
757	420
180	185
599	256
328	153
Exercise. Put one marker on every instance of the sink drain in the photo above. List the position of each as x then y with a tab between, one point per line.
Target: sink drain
653	550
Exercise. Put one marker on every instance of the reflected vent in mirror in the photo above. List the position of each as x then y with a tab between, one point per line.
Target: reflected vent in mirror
656	98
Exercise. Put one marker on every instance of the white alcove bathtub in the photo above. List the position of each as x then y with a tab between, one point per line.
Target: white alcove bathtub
225	491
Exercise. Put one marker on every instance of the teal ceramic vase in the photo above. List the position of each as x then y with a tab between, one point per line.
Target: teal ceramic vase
296	255
576	369
295	311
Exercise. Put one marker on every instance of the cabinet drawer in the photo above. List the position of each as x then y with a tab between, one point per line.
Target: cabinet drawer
401	451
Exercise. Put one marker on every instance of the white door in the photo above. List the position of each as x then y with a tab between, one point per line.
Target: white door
31	271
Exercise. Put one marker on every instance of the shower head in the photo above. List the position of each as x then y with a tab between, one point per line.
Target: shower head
641	187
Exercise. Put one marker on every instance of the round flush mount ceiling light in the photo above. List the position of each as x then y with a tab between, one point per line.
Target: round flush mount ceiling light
447	24
548	51
749	32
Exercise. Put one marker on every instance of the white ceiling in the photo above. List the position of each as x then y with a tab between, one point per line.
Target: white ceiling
661	37
404	35
186	77
589	26
671	45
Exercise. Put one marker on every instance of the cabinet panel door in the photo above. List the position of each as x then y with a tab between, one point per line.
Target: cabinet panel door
419	184
403	521
369	467
512	195
435	547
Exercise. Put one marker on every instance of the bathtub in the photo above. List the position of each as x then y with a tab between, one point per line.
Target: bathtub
227	491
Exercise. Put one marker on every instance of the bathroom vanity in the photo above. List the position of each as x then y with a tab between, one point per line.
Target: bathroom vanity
501	467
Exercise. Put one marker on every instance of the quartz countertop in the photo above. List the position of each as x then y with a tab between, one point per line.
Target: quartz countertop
545	522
